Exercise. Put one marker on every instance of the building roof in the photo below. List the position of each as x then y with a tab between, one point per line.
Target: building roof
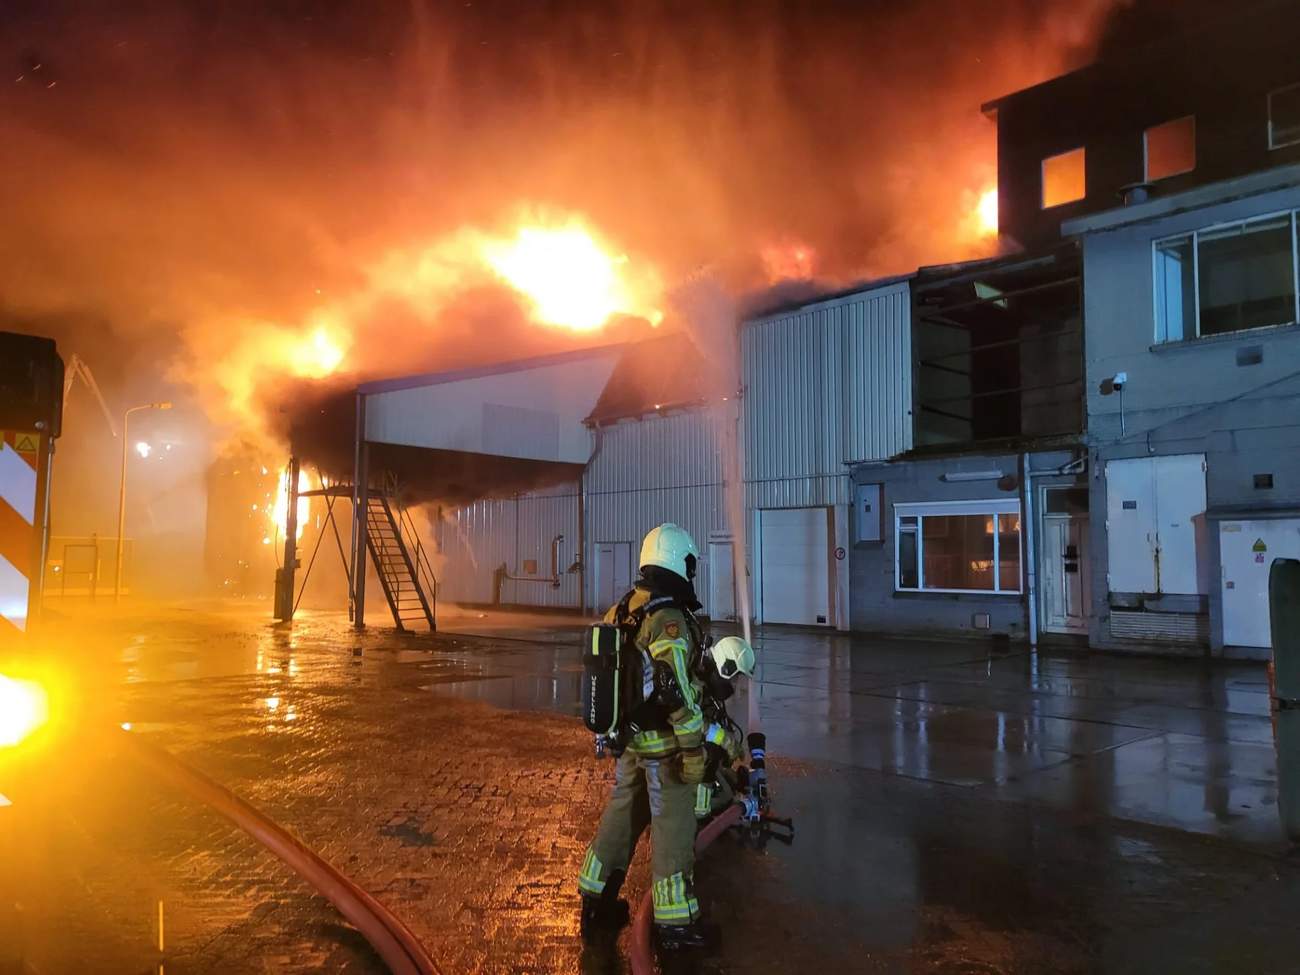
1214	24
815	297
664	372
495	369
1196	198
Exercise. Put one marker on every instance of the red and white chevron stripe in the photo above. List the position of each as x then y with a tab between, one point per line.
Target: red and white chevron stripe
19	526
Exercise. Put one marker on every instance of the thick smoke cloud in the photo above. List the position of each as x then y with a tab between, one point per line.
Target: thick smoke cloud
205	180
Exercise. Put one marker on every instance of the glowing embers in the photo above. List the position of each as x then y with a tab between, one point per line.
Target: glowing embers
569	278
24	707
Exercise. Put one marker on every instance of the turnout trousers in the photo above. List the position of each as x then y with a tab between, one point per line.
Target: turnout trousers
647	792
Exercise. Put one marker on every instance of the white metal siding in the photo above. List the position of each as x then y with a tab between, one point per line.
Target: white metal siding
661	468
878	375
534	414
487	534
824	386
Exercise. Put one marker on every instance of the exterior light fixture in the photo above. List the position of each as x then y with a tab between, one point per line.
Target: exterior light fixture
954	476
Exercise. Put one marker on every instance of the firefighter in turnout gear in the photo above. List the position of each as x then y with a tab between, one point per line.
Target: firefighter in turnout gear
663	759
721	666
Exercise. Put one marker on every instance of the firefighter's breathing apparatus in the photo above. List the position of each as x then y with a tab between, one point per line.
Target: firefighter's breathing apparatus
616	708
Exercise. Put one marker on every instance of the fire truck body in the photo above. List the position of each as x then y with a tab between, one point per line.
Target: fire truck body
31	409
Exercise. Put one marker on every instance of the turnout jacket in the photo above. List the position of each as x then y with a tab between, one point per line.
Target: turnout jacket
669	642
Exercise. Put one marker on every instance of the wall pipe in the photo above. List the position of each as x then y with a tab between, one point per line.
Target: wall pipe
1031	561
640	954
399	948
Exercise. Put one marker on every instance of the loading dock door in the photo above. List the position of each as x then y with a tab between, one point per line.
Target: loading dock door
796	553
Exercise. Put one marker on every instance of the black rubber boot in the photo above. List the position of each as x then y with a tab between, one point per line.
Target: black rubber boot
606	913
687	937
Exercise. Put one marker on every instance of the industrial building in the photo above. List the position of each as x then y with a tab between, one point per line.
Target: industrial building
1090	438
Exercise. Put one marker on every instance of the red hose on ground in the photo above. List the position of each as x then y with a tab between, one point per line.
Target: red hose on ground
641	955
401	951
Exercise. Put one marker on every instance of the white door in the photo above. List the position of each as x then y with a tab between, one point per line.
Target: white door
722	581
1155	524
1065	574
613	572
1180	524
796	554
1247	550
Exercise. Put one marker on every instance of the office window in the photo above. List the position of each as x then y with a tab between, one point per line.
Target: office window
1170	148
1226	279
1284	117
968	546
1063	178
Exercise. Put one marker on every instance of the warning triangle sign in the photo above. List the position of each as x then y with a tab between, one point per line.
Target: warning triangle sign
26	443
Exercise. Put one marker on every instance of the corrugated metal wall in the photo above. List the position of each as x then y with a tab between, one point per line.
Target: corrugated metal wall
645	472
479	538
657	469
825	385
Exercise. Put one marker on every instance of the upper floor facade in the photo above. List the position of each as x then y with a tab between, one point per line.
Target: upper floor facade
1192	308
1203	104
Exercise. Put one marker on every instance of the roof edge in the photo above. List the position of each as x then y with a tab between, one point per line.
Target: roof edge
480	372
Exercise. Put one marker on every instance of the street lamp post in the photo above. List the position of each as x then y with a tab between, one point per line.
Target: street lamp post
121	491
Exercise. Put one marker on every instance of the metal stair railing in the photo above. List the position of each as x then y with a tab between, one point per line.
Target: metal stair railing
404	571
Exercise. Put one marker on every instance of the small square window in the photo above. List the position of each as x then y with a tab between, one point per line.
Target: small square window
1170	148
1284	117
1263	482
1063	178
530	567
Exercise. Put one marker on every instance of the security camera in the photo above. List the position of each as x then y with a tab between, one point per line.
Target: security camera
1118	380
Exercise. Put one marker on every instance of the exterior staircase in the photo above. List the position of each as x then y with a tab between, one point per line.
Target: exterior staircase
403	567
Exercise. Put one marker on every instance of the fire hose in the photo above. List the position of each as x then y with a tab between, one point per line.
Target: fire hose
392	940
641	954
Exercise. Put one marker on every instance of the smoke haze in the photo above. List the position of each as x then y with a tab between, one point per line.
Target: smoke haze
216	180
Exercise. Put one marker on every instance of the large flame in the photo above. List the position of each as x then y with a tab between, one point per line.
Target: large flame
987	208
569	279
280	508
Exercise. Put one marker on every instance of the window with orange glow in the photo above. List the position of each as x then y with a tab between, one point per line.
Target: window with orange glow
1170	148
1063	178
958	547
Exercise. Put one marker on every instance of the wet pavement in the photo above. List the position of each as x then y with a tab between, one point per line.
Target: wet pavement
961	808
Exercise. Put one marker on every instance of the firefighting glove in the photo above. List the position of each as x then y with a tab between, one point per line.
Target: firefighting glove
715	756
693	766
703	800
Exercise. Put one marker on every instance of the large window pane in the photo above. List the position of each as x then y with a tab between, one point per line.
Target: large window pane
1175	290
1284	117
1009	553
1171	148
1247	276
1064	178
907	576
958	551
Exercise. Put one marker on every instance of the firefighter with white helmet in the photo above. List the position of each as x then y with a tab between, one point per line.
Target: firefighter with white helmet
724	663
663	760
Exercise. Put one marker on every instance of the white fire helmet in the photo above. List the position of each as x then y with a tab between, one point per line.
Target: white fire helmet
671	548
732	656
